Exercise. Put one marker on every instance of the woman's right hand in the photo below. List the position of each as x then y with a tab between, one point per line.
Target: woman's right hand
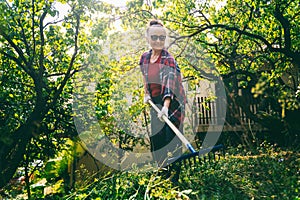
164	111
147	98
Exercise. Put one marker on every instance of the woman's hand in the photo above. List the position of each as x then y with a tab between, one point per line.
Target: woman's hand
164	111
147	98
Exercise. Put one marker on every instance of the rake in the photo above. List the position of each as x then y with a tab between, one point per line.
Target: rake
203	155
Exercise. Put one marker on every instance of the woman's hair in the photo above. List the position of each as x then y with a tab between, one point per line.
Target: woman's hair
155	22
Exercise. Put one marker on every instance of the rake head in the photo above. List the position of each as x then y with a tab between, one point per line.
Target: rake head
205	155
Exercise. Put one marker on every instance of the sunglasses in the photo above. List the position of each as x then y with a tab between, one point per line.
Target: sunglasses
160	37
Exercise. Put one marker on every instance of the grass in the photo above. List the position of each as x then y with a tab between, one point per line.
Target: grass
261	172
246	177
269	173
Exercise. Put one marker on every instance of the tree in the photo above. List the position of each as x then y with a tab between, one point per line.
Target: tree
254	46
39	56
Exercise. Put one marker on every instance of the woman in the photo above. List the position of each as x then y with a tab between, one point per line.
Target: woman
163	85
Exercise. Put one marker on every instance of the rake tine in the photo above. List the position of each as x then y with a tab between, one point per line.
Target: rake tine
201	156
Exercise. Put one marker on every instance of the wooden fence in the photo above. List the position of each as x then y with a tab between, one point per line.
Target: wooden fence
211	115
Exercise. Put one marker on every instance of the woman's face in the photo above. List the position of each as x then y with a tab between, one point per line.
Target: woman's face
157	37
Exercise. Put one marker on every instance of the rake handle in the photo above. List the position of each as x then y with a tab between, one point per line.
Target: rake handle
174	128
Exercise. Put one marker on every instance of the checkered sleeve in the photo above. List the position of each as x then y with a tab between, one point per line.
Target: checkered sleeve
143	68
169	78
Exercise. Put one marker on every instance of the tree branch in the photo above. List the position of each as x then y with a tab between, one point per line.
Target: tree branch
244	32
14	46
55	22
33	33
42	37
68	74
18	62
285	25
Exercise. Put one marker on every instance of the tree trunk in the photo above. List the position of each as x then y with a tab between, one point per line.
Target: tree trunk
14	153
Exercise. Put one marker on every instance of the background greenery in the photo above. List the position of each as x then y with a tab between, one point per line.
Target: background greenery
46	53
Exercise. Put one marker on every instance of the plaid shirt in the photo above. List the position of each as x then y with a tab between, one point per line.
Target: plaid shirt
170	80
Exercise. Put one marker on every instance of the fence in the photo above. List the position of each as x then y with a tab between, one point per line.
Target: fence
211	115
